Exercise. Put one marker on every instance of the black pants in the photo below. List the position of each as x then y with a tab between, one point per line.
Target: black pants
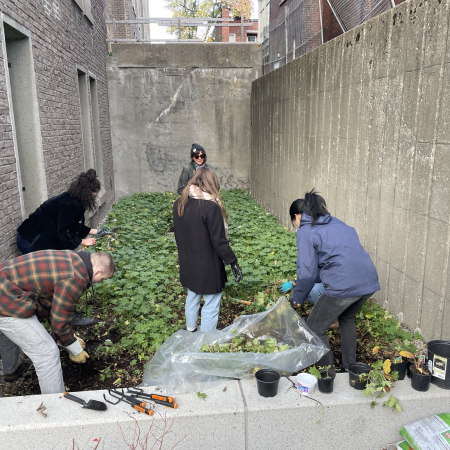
326	310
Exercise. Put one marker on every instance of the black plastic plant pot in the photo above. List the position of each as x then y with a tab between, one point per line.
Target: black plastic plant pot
326	384
419	381
354	371
267	382
400	368
408	368
439	359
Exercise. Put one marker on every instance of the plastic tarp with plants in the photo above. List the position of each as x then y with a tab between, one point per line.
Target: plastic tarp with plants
277	338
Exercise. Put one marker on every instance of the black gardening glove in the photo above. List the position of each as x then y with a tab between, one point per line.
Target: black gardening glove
103	232
237	272
293	304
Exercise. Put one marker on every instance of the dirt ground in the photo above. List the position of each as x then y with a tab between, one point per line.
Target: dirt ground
117	371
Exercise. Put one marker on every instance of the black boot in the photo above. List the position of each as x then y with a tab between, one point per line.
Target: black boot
23	367
80	321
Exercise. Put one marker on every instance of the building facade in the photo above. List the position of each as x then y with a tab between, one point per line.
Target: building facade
235	32
54	106
128	10
291	28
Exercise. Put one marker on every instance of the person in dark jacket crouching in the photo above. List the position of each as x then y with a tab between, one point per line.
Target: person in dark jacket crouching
200	225
330	249
198	159
58	224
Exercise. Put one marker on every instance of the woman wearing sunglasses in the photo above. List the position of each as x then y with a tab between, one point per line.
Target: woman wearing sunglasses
200	225
330	250
198	159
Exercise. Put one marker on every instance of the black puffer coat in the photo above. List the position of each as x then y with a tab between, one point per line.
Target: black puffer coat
202	246
59	221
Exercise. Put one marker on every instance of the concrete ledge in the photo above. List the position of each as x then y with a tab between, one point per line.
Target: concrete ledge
216	422
347	421
232	418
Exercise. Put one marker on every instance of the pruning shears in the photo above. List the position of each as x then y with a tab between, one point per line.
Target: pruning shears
156	398
101	232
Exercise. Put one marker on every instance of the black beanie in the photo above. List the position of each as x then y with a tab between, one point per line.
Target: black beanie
196	148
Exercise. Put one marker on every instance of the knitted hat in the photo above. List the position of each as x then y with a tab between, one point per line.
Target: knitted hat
197	148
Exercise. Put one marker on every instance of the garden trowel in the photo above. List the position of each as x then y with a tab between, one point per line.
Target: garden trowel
91	404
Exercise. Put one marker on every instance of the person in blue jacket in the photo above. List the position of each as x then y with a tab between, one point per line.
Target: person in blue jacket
330	250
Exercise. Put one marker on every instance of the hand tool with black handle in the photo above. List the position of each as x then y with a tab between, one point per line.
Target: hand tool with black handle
135	404
137	392
91	404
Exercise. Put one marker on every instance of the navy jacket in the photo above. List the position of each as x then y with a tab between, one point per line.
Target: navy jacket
331	250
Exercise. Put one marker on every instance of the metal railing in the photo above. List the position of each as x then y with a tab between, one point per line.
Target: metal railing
145	35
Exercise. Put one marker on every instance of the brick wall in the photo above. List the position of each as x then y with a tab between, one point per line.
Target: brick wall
303	29
126	10
61	37
223	33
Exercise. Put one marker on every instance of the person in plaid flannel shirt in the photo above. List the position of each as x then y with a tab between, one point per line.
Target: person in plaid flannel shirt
46	284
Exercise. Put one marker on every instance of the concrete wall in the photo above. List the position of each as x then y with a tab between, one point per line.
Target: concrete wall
164	97
365	120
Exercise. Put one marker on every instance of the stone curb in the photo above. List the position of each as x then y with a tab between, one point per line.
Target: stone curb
232	418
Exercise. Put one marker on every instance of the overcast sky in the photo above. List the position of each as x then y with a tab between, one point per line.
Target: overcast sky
157	9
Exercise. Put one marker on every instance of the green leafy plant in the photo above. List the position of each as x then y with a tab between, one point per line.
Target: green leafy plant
201	395
241	344
419	358
379	382
318	371
143	303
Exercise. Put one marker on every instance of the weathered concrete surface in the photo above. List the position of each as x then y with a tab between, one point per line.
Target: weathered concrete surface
233	416
217	422
165	97
365	120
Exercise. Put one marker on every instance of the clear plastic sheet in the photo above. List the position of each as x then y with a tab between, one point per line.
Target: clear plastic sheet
179	367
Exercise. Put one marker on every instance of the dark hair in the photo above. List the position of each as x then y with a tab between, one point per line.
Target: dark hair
313	204
83	187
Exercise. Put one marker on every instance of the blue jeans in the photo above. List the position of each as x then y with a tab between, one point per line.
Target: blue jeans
24	245
315	293
210	310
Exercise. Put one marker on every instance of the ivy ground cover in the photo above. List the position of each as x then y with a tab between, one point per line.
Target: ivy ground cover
143	304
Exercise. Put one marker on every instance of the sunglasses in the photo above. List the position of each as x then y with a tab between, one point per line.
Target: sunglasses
200	156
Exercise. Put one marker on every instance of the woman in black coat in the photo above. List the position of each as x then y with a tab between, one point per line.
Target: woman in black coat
203	247
58	224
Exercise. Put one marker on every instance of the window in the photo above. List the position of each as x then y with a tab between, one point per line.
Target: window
251	37
96	129
85	6
85	117
24	111
232	38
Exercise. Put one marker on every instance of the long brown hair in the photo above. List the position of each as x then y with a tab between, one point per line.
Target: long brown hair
206	179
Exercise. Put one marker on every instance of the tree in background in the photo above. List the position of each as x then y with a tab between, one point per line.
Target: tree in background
201	9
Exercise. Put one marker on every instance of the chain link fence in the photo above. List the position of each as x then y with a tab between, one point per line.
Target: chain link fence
306	24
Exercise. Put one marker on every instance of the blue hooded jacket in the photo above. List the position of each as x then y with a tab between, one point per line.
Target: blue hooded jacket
331	250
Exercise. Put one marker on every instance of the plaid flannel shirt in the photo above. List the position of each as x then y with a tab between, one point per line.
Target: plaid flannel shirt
47	283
